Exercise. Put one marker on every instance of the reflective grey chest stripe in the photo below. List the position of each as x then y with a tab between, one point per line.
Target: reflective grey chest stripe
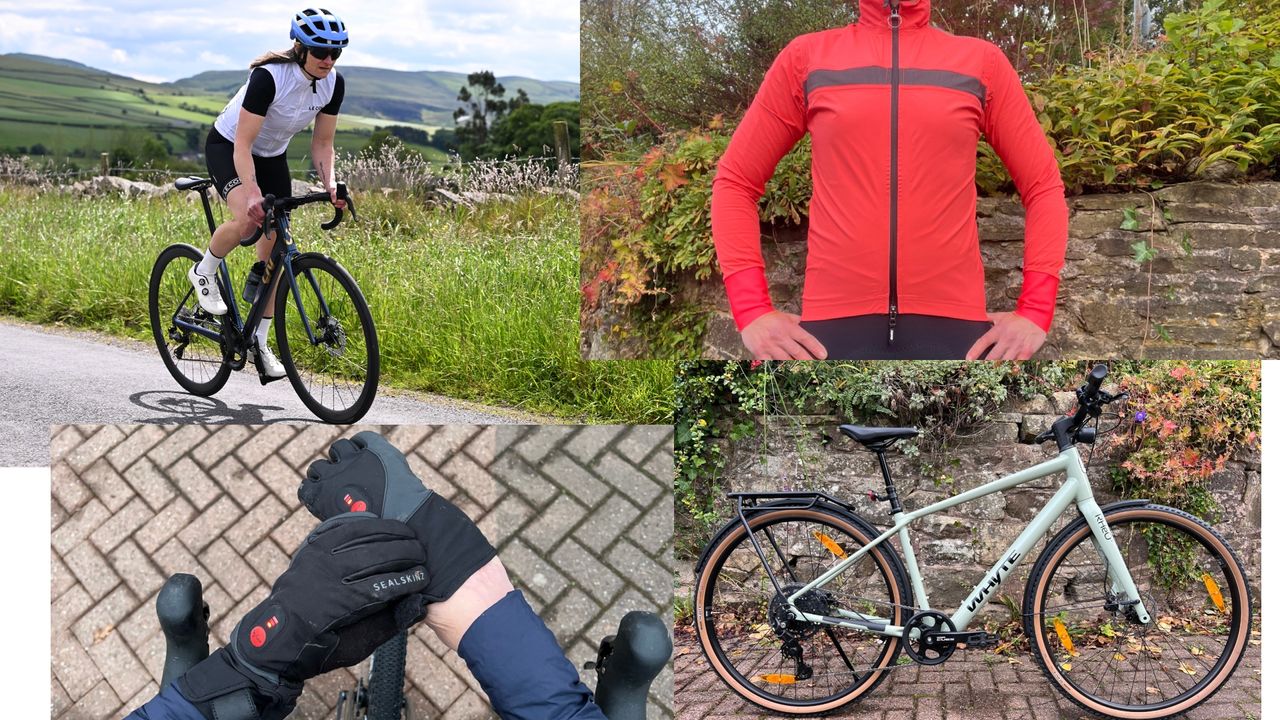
873	75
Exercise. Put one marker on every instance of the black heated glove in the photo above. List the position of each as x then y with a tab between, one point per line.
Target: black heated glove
352	585
366	473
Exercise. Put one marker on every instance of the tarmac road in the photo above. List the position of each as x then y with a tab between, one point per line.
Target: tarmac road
59	377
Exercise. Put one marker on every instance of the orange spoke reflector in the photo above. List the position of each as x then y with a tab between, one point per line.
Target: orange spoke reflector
1063	636
1214	592
832	545
777	679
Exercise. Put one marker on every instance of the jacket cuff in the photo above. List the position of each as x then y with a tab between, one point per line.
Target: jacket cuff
1038	298
748	296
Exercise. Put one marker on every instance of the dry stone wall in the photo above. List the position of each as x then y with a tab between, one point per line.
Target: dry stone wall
1212	292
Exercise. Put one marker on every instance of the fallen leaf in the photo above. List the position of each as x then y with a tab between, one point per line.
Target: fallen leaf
1187	669
1118	657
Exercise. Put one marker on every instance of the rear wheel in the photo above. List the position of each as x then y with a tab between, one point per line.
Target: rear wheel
327	341
1091	644
782	663
197	362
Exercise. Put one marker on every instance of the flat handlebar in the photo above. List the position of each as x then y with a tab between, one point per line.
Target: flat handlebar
628	663
1090	398
626	666
184	617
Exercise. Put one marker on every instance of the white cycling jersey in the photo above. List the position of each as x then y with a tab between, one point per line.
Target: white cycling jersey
298	99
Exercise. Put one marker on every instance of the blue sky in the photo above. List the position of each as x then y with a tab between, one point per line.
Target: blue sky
161	41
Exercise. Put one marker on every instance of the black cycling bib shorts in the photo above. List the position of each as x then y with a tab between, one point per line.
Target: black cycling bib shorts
918	337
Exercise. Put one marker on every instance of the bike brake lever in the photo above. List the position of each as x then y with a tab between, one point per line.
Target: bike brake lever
268	208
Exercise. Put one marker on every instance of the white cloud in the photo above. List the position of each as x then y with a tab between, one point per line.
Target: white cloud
535	38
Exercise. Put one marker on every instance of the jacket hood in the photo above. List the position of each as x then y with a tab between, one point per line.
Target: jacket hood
875	13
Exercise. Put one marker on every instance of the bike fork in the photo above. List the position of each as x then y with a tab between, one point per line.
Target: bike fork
1121	581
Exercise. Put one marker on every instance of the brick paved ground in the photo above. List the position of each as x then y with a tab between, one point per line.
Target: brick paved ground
963	688
582	518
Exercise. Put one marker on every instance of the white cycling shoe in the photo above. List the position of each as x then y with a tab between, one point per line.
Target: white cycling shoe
207	294
268	365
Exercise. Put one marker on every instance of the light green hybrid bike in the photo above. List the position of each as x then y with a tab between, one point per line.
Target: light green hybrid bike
1133	610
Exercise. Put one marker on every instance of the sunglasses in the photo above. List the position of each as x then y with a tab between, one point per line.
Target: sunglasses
324	53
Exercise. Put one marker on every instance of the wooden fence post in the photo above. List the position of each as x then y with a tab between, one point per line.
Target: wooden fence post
563	156
106	164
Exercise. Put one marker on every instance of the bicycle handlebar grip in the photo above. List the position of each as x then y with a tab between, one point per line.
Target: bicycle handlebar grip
1096	377
184	617
641	649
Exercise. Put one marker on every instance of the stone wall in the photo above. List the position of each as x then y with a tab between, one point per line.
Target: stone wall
957	547
1213	290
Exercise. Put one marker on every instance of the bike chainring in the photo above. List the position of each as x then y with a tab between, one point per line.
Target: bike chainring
791	629
926	648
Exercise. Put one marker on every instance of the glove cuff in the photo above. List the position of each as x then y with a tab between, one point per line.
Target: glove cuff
220	688
455	547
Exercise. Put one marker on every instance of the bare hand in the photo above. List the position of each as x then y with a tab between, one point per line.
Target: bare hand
333	198
1012	338
254	208
778	336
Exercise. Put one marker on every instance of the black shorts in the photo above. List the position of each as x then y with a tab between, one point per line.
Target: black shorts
272	172
915	337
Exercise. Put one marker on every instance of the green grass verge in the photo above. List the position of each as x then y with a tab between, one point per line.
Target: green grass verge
479	304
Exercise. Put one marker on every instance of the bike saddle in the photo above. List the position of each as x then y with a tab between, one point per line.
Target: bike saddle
192	183
877	436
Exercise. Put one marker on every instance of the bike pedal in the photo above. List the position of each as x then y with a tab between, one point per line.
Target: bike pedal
981	640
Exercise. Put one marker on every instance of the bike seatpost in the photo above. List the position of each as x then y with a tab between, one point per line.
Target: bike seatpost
184	617
640	650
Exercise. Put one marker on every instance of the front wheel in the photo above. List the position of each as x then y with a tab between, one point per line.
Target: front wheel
386	679
196	361
1089	642
780	662
327	341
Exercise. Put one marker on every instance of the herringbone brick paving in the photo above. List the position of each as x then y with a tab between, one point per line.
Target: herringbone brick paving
972	685
581	516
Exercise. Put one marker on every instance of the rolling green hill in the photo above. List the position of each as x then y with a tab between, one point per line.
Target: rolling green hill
403	97
74	112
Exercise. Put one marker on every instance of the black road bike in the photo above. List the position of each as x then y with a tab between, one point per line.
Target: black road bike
323	328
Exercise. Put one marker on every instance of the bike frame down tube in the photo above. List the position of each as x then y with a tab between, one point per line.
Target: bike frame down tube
1076	490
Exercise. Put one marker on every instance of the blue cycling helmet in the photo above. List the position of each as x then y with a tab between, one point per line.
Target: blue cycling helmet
317	27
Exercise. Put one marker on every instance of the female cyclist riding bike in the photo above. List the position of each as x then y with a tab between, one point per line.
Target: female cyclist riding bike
245	150
894	108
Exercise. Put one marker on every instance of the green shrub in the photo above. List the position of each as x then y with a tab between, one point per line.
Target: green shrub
1188	419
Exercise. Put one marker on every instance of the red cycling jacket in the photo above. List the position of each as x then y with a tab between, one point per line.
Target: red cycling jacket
895	117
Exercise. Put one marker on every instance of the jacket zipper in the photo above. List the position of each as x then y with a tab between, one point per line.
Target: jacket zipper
895	21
